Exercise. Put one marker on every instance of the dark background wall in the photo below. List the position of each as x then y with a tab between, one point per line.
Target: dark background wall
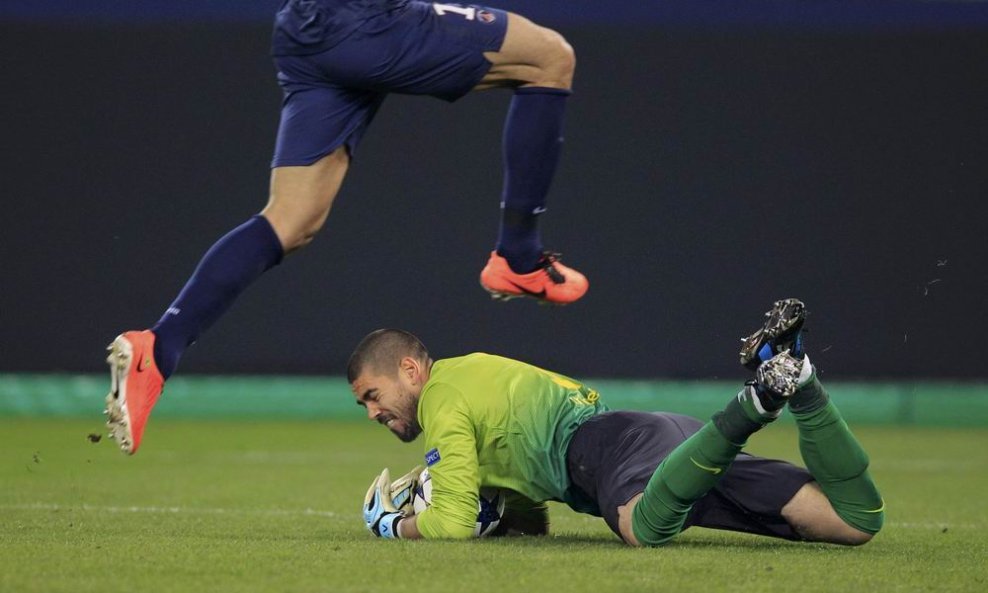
707	172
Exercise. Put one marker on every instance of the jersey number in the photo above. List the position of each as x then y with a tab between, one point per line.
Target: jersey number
467	12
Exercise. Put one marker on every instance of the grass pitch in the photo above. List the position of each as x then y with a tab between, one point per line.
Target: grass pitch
256	506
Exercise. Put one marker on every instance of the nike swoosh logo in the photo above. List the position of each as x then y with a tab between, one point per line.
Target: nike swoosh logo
879	509
713	470
538	295
143	364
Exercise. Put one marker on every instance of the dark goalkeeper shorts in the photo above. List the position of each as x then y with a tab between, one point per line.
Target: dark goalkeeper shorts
612	457
421	48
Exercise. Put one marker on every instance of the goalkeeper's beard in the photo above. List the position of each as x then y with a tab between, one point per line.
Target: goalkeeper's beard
406	419
410	430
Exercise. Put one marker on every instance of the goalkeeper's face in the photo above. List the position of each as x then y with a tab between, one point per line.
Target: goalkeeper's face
391	400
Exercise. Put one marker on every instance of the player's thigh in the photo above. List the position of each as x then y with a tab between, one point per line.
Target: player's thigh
814	518
530	54
301	197
320	128
625	514
612	457
317	115
750	496
424	49
308	188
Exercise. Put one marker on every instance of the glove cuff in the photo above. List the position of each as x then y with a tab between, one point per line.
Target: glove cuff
387	527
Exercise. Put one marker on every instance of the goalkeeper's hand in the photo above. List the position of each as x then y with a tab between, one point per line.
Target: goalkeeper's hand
380	513
403	491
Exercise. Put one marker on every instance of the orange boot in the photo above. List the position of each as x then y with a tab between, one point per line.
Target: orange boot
135	384
551	282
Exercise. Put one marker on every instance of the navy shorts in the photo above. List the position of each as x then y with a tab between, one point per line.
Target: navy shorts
331	97
612	457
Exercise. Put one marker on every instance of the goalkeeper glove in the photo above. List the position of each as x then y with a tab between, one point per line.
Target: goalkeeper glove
403	490
380	514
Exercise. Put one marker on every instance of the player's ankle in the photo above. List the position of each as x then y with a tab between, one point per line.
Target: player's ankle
742	417
809	398
521	262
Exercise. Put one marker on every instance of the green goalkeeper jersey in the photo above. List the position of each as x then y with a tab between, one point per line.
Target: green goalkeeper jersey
493	421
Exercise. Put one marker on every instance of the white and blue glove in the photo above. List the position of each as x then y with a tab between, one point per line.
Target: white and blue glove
380	513
403	491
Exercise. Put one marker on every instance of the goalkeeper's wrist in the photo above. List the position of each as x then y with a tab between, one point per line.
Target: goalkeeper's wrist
388	526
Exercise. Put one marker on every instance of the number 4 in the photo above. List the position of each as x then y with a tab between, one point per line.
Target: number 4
468	12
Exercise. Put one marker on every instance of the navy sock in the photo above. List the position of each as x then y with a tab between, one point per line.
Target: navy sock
533	138
230	266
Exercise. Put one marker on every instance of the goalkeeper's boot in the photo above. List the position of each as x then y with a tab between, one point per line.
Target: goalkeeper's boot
135	384
776	380
779	377
782	332
550	282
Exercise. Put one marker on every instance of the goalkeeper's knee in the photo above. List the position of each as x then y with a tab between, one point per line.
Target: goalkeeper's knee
654	523
865	518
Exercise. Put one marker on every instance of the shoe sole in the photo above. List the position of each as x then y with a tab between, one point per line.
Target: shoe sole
785	316
780	375
120	359
502	297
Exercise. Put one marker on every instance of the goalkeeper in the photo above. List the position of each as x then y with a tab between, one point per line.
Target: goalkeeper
489	421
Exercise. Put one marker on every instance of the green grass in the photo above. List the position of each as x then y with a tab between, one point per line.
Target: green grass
274	506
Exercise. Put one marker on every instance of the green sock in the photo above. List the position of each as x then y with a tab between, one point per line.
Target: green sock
810	396
836	459
689	472
746	413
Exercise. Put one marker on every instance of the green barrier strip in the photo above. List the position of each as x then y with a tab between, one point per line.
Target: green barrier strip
927	403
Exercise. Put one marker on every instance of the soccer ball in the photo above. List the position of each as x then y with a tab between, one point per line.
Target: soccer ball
490	506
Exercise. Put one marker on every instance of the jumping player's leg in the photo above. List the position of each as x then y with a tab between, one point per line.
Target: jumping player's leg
298	205
301	198
538	64
320	127
530	56
446	51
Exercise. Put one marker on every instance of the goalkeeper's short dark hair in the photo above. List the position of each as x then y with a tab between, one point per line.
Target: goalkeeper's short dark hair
382	350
